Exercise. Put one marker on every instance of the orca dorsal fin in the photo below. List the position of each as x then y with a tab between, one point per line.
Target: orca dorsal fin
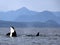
37	34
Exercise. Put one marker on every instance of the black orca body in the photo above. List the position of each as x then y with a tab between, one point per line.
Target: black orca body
13	33
34	35
30	35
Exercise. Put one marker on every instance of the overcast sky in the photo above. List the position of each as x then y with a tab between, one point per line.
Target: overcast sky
35	5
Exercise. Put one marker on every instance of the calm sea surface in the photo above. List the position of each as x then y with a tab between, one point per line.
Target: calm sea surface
48	36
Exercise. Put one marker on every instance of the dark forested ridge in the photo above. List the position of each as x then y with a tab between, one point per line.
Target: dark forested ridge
48	23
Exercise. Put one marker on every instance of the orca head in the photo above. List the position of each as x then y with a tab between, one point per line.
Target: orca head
12	29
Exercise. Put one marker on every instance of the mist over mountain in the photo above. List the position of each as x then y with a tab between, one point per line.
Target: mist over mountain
26	15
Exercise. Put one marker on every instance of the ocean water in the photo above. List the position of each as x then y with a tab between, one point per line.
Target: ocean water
48	36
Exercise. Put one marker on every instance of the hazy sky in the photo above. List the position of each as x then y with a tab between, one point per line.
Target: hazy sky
36	5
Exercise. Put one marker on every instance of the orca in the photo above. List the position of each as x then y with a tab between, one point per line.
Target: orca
37	34
12	32
33	35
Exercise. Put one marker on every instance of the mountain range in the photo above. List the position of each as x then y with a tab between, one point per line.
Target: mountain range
24	16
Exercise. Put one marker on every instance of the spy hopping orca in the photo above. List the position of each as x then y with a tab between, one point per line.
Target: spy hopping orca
12	32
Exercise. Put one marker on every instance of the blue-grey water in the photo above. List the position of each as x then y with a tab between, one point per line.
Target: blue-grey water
48	36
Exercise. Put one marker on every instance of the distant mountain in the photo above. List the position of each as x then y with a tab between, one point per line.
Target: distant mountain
30	16
49	23
26	15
